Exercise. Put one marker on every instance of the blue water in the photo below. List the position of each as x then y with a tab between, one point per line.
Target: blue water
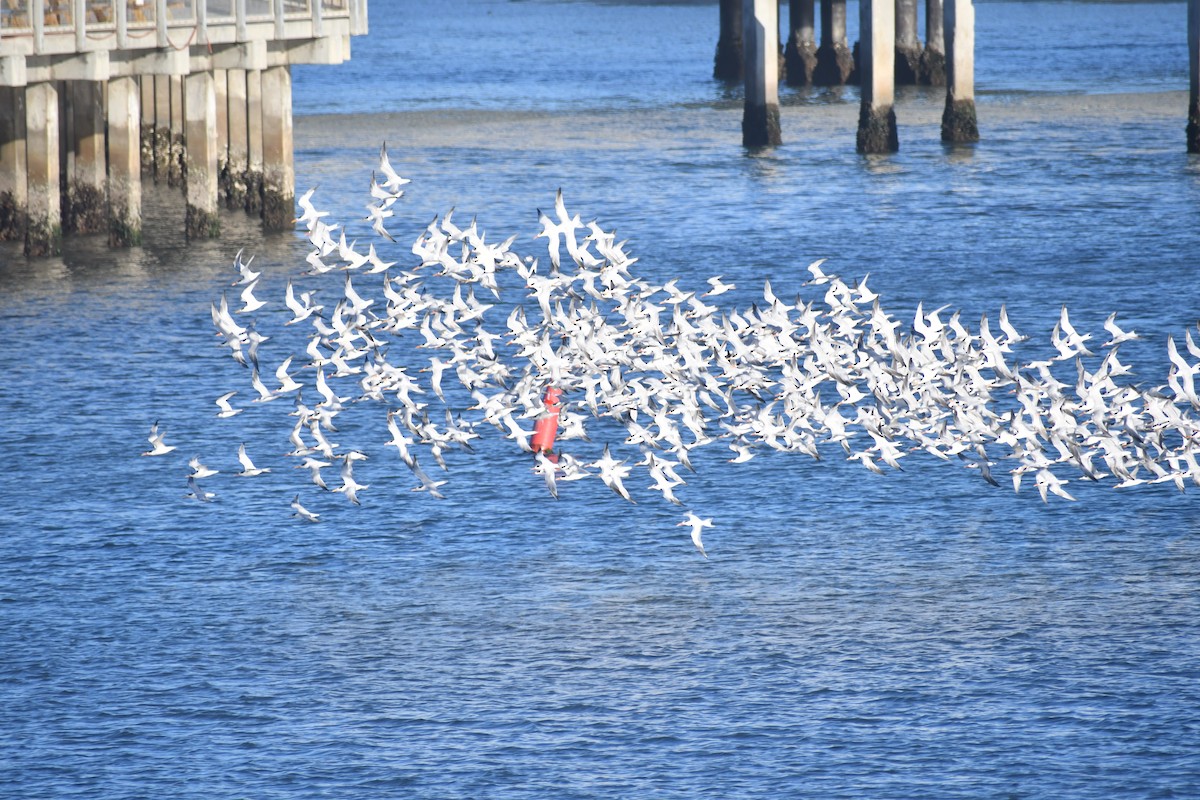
851	635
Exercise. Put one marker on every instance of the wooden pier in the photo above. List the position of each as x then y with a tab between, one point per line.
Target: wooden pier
97	94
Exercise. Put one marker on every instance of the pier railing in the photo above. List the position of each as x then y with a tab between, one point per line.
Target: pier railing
66	27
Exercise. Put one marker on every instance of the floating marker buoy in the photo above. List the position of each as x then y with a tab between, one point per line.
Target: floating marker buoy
546	427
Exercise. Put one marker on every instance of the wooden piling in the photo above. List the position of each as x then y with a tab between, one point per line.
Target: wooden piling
1193	125
13	177
124	162
908	46
835	62
876	56
84	204
959	123
800	54
729	59
43	231
760	118
279	174
933	57
201	154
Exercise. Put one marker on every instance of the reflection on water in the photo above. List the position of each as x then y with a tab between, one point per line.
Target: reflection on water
960	152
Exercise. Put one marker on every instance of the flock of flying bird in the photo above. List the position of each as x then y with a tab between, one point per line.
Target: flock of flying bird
665	370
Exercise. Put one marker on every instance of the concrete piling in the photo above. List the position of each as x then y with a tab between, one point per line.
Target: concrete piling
835	62
146	110
43	229
1193	124
279	174
760	117
124	162
254	142
800	54
84	204
729	59
239	150
201	153
176	163
933	58
162	128
221	90
13	177
908	47
959	123
877	117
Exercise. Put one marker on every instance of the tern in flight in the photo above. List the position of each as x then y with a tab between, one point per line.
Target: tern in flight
304	513
199	470
157	446
227	410
697	525
248	468
392	181
311	214
246	275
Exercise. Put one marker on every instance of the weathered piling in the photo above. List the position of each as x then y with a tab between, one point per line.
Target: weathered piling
146	110
959	123
43	229
221	90
800	53
729	59
201	165
162	129
13	176
835	62
933	57
238	152
124	162
177	162
279	174
254	142
83	208
1193	125
760	117
908	47
876	55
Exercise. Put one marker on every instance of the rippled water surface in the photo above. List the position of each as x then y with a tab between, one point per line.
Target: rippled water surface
851	635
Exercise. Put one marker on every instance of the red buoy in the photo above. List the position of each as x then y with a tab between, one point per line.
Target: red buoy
546	427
